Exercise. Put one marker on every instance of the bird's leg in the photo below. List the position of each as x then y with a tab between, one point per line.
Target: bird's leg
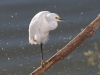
43	63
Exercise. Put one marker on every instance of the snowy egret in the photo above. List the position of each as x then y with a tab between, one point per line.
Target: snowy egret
39	28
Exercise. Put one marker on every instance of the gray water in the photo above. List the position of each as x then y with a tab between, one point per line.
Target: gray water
18	57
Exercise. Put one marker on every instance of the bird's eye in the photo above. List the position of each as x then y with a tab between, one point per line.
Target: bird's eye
56	17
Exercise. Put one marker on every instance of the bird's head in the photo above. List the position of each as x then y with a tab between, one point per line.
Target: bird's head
55	17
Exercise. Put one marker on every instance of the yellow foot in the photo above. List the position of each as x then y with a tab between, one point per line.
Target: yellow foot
43	63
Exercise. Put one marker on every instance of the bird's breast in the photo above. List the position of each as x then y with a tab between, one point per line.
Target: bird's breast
53	25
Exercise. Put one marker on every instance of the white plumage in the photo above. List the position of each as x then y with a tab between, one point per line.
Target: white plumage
40	26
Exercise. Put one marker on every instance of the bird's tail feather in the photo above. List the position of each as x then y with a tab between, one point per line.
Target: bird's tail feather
32	40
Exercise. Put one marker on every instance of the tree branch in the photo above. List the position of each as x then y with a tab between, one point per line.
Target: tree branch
65	51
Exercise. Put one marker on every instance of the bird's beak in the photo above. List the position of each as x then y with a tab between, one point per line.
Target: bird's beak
60	19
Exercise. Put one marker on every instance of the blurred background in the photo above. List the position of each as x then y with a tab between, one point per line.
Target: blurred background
18	57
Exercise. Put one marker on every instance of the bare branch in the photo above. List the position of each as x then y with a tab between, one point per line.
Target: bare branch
65	51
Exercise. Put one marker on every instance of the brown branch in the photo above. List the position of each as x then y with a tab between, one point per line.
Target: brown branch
65	51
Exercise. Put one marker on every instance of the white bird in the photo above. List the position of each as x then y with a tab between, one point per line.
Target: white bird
40	26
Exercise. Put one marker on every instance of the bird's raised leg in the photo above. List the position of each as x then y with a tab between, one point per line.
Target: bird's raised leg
43	63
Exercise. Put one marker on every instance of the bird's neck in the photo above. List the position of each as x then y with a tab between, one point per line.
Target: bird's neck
53	25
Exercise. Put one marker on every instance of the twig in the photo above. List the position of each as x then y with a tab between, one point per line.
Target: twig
65	51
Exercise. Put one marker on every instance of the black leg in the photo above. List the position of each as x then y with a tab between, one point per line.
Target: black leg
41	51
43	63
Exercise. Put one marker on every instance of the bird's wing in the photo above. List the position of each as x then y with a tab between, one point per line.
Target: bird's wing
33	27
38	22
37	25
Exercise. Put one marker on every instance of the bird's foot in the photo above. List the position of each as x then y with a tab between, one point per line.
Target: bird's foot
43	63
